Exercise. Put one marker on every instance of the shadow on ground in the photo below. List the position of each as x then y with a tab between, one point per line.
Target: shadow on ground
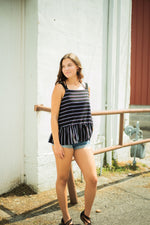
49	207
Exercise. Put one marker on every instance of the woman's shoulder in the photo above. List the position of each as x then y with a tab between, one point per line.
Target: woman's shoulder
58	88
61	84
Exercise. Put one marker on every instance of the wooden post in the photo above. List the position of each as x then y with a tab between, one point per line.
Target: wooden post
121	129
72	188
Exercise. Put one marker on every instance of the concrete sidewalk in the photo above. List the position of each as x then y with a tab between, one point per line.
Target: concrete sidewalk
121	199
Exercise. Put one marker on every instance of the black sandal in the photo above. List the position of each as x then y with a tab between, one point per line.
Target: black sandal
85	219
69	222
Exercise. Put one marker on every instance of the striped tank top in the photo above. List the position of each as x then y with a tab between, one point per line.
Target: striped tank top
74	120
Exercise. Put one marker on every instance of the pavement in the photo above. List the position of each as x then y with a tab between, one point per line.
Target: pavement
121	199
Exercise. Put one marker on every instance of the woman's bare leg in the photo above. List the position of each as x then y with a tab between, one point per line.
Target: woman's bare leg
63	168
85	159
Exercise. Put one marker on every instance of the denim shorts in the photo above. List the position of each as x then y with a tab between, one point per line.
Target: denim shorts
78	145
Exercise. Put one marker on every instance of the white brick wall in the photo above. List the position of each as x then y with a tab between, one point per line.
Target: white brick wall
50	29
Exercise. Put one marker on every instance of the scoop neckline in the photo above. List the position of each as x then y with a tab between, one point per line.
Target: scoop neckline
76	89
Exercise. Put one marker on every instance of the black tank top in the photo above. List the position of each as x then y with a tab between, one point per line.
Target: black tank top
75	120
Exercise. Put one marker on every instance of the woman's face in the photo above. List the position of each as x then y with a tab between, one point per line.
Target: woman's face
69	68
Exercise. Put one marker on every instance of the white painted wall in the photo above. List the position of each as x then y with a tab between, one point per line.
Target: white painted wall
67	26
31	77
11	94
82	28
18	94
34	37
118	69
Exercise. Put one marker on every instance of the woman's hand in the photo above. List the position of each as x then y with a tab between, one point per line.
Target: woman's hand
59	151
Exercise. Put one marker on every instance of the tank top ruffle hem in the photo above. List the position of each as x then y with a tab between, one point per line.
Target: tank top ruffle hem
74	120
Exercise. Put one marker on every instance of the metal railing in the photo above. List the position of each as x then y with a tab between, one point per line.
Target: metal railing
71	183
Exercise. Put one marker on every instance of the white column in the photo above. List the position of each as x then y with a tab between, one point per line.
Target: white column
31	142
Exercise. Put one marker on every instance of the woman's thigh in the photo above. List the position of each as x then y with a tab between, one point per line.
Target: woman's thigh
63	165
85	160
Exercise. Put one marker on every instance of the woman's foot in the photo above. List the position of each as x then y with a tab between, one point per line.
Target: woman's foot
69	222
85	219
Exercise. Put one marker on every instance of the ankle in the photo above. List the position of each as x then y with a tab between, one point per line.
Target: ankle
66	218
87	213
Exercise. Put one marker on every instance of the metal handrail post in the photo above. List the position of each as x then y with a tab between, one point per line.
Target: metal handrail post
121	128
72	188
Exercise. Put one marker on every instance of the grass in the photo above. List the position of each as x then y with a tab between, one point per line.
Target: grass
124	167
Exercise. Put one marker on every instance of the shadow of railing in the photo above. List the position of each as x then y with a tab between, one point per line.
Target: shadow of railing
43	209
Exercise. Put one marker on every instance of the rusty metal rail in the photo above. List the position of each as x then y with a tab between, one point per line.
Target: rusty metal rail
71	183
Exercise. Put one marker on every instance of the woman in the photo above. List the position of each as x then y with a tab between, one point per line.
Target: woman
72	127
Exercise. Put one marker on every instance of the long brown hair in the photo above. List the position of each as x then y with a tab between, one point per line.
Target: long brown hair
61	77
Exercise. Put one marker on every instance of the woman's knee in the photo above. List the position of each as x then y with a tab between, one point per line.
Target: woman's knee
92	180
62	180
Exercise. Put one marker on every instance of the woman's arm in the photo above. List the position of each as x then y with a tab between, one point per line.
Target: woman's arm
57	95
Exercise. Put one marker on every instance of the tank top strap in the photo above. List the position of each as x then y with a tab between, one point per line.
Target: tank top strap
86	85
64	85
